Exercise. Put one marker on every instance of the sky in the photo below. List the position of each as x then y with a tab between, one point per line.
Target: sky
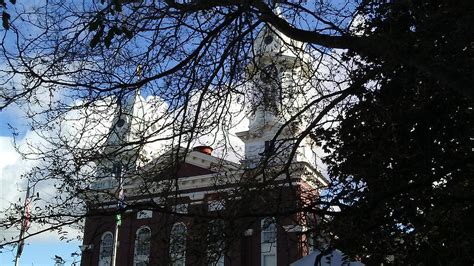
41	249
38	250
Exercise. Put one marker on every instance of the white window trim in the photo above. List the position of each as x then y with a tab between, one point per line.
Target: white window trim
216	205
181	208
268	248
183	261
144	214
105	261
140	258
220	249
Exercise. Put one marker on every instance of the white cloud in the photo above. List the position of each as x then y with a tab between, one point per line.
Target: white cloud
9	177
11	168
13	186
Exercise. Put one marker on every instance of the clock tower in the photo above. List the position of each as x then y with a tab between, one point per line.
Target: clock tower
120	150
278	75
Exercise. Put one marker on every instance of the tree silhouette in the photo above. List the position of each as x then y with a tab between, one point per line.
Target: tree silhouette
384	87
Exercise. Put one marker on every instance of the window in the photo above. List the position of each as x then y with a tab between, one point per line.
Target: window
181	208
142	246
106	249
269	231
117	170
216	205
268	147
268	242
178	245
145	214
310	240
215	239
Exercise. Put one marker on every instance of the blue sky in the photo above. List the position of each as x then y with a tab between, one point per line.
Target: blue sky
12	116
39	250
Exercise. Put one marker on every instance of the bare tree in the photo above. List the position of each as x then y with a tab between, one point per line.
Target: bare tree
117	86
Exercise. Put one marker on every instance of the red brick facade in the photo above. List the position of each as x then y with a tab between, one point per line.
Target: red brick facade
242	228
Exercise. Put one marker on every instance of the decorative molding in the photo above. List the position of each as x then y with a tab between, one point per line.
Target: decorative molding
145	214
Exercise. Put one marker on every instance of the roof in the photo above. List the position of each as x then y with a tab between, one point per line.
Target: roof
192	159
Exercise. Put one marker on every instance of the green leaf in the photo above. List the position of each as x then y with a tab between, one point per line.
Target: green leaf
118	7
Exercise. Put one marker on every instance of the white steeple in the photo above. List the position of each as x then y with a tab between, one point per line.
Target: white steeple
121	149
277	62
276	73
127	124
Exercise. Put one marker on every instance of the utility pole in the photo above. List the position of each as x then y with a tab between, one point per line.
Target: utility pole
120	206
25	224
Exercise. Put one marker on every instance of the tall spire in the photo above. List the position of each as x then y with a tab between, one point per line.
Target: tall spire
121	148
127	124
277	75
122	122
275	57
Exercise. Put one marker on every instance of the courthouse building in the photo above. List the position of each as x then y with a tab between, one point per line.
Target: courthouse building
201	209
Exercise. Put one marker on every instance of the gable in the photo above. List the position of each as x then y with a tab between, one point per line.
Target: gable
188	170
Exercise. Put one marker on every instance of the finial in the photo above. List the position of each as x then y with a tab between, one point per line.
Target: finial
277	9
139	71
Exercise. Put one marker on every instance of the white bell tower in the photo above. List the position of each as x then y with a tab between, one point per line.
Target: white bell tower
277	75
120	151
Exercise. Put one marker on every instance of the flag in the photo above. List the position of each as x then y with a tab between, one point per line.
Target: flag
120	205
25	224
121	199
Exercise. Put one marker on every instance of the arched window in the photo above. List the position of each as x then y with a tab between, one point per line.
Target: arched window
178	245
106	247
142	246
268	242
215	246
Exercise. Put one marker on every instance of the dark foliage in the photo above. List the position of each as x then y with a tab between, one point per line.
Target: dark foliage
401	155
406	147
